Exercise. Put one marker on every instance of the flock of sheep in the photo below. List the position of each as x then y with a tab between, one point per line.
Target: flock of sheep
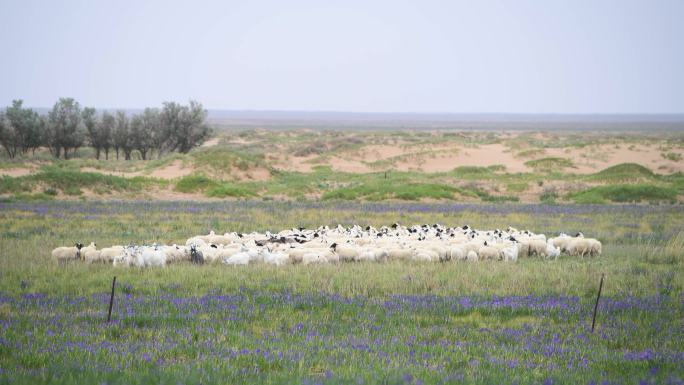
420	243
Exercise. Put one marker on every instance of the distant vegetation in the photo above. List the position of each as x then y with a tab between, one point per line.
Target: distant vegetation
352	166
67	127
550	164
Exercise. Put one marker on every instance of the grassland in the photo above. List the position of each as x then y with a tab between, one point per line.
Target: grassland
363	323
305	165
394	323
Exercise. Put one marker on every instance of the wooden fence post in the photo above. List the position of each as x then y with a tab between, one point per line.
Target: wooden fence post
111	301
593	320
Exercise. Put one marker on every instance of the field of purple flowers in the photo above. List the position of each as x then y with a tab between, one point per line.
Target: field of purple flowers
396	323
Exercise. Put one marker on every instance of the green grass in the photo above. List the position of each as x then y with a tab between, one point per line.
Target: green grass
232	190
625	172
71	182
479	323
382	190
195	183
222	160
625	194
673	156
551	164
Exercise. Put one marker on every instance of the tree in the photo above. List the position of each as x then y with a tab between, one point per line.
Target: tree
9	137
122	135
64	130
105	131
90	122
21	131
145	131
184	126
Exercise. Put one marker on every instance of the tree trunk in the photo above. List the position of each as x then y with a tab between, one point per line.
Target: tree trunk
97	153
66	150
106	153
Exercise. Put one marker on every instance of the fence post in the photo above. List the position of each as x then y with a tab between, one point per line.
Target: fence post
593	320
111	300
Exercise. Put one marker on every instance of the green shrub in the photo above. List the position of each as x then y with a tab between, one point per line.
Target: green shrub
624	172
71	181
393	189
517	187
673	156
194	183
10	184
548	196
231	190
550	164
624	194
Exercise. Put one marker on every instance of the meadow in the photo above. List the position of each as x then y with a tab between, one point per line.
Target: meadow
419	166
483	322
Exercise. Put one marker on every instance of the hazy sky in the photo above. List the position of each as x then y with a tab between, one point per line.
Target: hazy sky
517	56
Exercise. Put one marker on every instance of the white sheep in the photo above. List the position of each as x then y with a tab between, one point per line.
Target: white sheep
346	252
311	258
488	252
241	258
274	258
552	251
108	254
65	253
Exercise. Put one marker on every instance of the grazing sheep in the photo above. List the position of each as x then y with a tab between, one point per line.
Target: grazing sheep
423	256
595	247
274	258
457	253
488	252
472	256
196	256
552	251
311	258
561	242
153	256
509	253
108	254
401	254
241	258
424	243
347	253
530	247
64	254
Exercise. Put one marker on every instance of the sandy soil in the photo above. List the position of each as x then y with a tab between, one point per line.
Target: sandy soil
211	142
254	174
15	172
443	158
173	170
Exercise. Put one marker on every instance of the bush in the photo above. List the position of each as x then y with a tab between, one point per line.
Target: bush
624	172
194	183
550	164
231	190
375	191
548	196
673	156
625	194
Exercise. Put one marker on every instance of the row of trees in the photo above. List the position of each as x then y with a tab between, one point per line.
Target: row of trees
67	127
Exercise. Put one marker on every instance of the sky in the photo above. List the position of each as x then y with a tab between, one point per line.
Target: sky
423	56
